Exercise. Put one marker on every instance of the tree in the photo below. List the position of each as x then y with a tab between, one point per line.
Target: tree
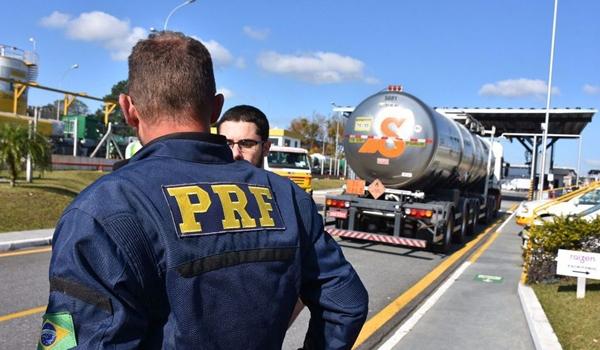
309	130
15	144
332	128
117	89
116	117
48	111
78	107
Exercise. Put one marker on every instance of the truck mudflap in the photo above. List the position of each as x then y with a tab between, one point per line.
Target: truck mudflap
387	239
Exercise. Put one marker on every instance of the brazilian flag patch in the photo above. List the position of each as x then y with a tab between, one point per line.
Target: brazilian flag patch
58	332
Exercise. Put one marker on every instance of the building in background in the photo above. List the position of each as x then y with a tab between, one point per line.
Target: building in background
284	138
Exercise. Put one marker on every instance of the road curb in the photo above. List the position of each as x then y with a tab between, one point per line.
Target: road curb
542	334
25	243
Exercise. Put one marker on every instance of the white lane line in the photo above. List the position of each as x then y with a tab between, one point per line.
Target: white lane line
412	321
506	222
409	324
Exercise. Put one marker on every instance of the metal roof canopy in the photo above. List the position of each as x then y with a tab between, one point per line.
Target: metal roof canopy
563	121
525	125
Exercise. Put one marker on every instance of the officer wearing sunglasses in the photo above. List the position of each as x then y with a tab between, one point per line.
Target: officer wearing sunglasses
243	125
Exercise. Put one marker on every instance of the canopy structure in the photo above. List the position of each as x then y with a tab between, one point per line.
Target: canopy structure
513	122
525	126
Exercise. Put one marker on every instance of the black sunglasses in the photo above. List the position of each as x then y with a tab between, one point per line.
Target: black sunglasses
245	143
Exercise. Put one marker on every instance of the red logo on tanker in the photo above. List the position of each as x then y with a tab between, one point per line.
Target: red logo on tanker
381	145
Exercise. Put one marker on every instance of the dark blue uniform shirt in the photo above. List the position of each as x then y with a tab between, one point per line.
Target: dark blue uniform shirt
185	248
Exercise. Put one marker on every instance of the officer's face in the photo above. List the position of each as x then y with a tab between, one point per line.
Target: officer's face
245	142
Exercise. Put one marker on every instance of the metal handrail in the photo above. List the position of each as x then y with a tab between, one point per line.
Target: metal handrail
559	191
566	197
28	57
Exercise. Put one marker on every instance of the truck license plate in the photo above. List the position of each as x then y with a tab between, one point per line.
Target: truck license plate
338	213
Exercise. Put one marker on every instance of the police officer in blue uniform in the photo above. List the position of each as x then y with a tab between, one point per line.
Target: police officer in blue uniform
185	248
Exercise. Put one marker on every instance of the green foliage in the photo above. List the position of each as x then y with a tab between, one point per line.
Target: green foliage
47	198
335	125
30	208
115	91
15	144
564	233
561	233
119	127
309	130
319	129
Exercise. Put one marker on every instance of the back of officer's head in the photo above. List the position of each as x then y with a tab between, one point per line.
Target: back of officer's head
171	76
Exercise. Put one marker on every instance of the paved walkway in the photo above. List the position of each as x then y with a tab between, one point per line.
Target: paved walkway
479	307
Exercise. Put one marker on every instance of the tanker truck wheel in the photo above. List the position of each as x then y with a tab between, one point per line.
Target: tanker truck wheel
444	245
489	211
461	235
474	220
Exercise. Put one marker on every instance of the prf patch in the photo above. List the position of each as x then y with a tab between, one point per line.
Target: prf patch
209	208
58	332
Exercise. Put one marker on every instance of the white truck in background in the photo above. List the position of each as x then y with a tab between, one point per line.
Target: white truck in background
290	162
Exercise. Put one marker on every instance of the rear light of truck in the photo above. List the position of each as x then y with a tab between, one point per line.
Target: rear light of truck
418	213
337	203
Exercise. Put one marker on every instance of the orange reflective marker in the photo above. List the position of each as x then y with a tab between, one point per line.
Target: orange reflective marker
379	145
355	187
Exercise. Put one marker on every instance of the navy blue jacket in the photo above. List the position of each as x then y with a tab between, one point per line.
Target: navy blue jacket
185	248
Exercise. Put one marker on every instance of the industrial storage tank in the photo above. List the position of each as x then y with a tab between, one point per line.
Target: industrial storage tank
396	138
19	65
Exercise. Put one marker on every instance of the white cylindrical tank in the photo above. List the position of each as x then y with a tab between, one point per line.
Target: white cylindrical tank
396	138
19	65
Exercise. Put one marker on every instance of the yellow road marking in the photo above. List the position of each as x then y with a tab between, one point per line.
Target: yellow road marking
23	313
386	314
26	252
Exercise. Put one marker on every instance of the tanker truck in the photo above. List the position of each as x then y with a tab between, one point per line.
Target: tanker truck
425	180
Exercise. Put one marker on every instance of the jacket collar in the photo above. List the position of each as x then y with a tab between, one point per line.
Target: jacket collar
189	146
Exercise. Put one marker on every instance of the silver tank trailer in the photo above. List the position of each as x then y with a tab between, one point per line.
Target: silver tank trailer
396	138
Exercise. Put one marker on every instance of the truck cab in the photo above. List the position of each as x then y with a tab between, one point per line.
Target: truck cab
290	162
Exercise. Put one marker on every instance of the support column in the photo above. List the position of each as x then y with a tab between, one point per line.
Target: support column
533	168
578	161
29	170
75	140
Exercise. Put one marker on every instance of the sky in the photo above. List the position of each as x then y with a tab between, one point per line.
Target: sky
296	58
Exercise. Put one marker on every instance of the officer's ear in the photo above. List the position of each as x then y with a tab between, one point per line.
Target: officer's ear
129	111
217	107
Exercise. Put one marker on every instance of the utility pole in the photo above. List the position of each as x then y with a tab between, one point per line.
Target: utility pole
548	95
32	131
75	66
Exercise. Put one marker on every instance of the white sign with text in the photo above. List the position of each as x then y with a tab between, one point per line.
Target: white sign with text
578	264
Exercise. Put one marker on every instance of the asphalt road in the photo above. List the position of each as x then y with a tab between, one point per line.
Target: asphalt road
24	286
386	271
